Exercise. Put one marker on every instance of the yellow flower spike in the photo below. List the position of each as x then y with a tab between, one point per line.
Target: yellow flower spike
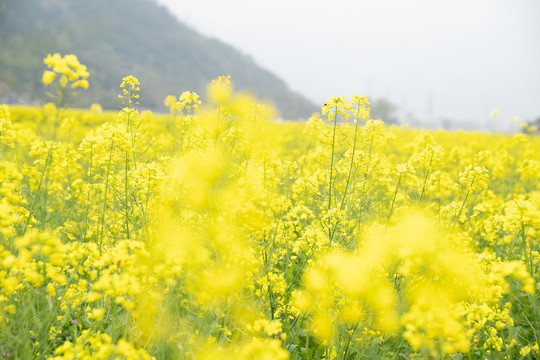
352	312
93	296
52	60
302	302
188	101
63	81
255	348
170	102
184	245
363	113
220	282
48	77
524	351
220	89
80	83
130	87
322	327
316	281
336	105
96	314
357	99
330	116
474	178
96	108
131	81
70	69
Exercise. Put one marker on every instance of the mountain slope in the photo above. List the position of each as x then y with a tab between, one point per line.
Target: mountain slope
115	38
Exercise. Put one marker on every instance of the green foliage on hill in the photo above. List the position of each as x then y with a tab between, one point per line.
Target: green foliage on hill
115	38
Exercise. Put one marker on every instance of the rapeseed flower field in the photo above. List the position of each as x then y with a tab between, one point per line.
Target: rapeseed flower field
213	232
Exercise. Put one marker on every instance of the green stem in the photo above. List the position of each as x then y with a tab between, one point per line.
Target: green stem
219	113
366	173
57	112
332	159
425	179
89	180
190	130
348	177
394	198
145	207
346	352
130	125
464	201
34	200
331	171
126	198
528	255
132	142
352	159
462	206
102	222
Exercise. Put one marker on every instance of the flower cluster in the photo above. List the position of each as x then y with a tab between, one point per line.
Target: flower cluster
68	67
213	232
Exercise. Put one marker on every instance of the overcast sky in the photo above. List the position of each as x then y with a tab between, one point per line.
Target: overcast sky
457	59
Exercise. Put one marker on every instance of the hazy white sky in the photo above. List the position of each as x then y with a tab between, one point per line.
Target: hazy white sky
457	59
